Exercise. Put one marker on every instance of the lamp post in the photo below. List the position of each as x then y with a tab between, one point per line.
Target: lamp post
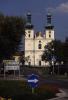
53	61
4	71
57	67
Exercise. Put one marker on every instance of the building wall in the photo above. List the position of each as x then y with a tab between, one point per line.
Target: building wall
38	52
29	47
35	43
29	58
50	34
29	44
27	32
32	52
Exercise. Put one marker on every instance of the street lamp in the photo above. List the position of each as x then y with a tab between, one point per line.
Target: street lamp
58	67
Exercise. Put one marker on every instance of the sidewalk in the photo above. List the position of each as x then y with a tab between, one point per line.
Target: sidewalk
61	96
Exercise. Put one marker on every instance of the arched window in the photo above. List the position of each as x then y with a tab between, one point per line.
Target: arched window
49	35
29	35
29	31
39	46
39	41
49	31
39	63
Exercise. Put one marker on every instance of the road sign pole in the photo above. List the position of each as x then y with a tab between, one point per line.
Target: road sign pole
53	69
32	90
4	72
19	72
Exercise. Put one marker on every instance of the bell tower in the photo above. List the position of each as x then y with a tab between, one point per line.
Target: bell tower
49	28
29	33
29	41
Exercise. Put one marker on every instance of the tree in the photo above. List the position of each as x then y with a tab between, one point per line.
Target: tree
47	55
53	53
65	51
53	48
11	30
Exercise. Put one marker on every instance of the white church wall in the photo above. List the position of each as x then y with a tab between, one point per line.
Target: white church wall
35	46
29	44
50	32
27	32
43	43
38	55
29	55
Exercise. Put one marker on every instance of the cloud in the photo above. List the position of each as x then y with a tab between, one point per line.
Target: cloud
63	7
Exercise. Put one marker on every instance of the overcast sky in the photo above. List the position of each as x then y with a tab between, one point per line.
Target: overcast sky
39	8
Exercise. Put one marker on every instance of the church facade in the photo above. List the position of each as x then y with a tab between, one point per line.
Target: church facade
35	42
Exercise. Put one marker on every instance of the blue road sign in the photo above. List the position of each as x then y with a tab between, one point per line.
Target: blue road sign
33	80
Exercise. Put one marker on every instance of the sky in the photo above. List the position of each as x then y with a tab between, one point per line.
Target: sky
39	9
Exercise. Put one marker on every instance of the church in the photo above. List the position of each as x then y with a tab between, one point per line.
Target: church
34	43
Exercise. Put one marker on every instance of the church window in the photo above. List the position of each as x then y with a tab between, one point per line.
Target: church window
39	41
29	35
29	63
39	46
39	63
49	35
29	31
49	31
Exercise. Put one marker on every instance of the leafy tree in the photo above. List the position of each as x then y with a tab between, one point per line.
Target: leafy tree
65	51
11	30
53	49
48	53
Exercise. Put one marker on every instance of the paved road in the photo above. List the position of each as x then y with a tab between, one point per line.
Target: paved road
66	97
63	98
60	82
63	84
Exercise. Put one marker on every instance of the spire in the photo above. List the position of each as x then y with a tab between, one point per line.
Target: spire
28	17
49	20
28	23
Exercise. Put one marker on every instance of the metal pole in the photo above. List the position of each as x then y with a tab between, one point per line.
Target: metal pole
53	68
58	70
4	71
19	71
53	59
32	90
14	72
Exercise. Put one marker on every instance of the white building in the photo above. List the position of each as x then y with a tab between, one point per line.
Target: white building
35	43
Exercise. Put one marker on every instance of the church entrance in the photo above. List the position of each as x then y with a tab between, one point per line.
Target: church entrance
29	63
39	63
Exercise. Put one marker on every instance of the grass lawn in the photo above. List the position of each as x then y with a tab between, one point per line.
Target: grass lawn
21	90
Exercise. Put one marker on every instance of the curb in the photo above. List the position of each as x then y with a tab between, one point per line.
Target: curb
59	95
